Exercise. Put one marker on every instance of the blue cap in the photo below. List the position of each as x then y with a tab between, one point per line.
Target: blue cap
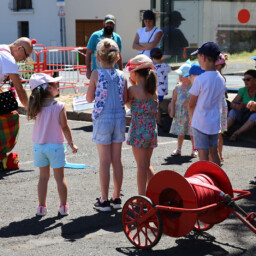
194	70
183	69
253	57
210	49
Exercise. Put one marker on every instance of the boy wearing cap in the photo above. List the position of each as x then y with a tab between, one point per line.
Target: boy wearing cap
107	31
205	104
162	70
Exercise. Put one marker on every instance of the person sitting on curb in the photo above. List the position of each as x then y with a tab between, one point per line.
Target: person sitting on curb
239	112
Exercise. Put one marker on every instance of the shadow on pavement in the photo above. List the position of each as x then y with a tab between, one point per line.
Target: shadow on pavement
80	227
177	160
5	173
33	226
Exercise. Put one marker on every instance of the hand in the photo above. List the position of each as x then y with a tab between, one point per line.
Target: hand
73	147
251	105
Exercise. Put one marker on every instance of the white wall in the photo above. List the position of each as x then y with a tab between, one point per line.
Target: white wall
126	13
43	22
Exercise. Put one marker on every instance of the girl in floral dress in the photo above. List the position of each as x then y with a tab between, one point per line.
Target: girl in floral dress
178	108
142	99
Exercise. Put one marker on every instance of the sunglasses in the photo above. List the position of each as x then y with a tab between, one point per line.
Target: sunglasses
27	55
247	79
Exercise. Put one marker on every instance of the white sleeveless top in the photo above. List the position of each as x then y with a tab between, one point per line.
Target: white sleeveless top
145	36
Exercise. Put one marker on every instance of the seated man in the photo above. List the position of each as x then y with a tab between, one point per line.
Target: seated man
239	111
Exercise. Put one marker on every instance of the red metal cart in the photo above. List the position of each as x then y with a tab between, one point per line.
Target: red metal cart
174	205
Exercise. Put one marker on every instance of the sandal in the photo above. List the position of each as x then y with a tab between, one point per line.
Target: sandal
176	152
194	153
253	181
233	137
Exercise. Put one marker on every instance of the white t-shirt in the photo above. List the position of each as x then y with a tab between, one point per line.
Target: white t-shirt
210	88
162	71
8	64
145	36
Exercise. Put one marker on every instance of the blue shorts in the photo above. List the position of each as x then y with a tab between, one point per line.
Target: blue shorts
160	98
49	154
241	116
109	130
204	141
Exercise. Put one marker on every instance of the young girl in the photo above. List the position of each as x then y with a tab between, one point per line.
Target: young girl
220	64
178	110
108	87
50	125
142	135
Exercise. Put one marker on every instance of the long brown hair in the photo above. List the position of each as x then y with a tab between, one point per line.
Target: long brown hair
150	77
35	102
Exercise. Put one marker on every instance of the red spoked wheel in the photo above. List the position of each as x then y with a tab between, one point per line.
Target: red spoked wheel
142	223
202	226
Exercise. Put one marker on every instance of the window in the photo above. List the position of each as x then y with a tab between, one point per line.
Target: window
24	4
23	29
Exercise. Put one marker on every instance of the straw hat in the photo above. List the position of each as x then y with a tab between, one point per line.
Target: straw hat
139	62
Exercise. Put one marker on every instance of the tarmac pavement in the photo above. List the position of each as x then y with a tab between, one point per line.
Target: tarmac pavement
87	232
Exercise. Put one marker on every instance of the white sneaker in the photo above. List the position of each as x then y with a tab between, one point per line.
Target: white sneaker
64	210
194	153
41	210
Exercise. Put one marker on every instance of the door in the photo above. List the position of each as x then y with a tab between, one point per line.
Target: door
84	29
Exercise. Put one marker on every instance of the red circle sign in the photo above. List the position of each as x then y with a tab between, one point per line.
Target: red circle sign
243	16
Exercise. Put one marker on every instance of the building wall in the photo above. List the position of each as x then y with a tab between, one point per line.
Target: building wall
43	22
126	13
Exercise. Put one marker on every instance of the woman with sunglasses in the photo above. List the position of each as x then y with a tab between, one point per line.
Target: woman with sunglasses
239	111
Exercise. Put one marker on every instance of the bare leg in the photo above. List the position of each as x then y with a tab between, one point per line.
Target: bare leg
105	160
43	184
144	170
61	185
214	155
203	154
248	125
220	146
117	168
230	121
180	141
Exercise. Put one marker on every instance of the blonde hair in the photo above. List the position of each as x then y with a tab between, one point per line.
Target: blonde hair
107	50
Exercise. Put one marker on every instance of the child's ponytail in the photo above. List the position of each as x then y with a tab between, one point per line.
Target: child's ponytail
35	102
151	80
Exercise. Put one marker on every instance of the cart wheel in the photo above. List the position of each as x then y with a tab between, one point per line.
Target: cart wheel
142	223
200	225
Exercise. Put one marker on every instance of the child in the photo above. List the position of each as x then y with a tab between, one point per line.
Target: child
108	87
205	103
220	64
162	70
142	135
50	125
178	110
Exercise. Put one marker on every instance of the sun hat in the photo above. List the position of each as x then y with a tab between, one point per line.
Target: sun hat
139	62
253	57
148	15
156	53
38	79
110	18
184	68
194	70
210	49
221	60
175	15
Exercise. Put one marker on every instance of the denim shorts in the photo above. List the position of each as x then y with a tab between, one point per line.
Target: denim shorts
204	141
109	130
49	154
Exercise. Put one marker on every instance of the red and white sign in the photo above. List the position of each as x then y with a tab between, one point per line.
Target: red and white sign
61	12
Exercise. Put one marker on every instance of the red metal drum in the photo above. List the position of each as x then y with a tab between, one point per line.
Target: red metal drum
209	173
169	188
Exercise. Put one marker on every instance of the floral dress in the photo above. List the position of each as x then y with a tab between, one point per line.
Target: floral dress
180	123
143	129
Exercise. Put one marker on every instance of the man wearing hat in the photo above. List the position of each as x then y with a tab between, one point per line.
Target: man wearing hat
107	31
